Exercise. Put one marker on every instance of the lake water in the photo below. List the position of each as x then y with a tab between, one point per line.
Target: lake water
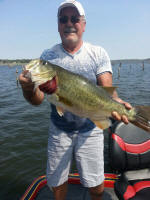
23	127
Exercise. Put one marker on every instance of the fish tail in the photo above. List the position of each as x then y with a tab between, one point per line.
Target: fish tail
142	118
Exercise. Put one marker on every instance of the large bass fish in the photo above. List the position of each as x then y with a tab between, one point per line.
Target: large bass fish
74	93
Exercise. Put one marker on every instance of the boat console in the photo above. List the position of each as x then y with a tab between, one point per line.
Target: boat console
129	152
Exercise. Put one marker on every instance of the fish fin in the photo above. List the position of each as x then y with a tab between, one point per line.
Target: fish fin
142	118
60	111
53	97
102	124
110	90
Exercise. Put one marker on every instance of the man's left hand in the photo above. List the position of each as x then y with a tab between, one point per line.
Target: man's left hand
116	115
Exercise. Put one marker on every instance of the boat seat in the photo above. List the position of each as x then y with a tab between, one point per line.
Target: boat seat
129	153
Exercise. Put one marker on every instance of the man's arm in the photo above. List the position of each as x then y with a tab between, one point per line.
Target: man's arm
105	79
34	97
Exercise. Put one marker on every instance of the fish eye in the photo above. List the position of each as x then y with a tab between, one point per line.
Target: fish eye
44	62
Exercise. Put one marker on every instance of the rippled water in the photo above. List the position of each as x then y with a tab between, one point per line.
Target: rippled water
23	128
133	83
23	137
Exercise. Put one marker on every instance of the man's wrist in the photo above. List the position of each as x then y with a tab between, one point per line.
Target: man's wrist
28	95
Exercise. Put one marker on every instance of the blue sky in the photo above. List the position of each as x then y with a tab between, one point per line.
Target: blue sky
122	27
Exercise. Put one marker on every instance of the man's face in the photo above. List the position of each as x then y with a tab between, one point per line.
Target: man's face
70	26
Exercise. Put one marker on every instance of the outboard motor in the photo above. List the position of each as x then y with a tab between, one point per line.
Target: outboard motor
130	159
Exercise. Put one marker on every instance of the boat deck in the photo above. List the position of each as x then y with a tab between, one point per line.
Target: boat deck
75	192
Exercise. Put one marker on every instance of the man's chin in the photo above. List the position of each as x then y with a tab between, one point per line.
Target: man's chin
70	40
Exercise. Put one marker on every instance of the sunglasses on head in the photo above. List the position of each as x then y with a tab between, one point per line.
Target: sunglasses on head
64	19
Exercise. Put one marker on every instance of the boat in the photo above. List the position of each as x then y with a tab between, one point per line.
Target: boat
39	190
129	157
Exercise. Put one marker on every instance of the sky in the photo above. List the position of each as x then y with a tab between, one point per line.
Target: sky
121	27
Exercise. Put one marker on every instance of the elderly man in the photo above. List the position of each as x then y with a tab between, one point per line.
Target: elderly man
71	136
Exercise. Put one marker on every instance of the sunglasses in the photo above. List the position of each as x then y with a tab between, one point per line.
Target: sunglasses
64	19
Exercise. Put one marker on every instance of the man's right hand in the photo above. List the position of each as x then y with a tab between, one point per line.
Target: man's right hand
26	83
33	96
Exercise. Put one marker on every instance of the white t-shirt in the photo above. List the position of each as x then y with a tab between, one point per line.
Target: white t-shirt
89	61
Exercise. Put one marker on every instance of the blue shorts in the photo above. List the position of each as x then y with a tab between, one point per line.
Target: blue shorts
85	148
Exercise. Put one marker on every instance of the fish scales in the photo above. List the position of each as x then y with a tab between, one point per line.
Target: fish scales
82	97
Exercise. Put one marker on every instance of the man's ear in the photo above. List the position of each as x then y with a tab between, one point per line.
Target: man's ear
84	26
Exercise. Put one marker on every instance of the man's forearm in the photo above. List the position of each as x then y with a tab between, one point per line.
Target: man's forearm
115	95
34	97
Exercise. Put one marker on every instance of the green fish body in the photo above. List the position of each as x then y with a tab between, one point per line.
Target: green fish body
80	96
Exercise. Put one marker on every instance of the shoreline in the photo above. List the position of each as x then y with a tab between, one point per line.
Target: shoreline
15	62
23	62
12	64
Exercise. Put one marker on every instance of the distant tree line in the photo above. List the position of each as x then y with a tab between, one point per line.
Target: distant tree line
25	61
14	61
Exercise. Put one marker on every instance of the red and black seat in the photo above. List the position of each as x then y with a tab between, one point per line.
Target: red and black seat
130	158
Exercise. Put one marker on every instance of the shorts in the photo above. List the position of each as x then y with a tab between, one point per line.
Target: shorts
87	150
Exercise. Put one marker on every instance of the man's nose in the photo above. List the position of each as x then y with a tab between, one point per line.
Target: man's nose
69	22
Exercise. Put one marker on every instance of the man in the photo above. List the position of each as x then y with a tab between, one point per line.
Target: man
71	135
